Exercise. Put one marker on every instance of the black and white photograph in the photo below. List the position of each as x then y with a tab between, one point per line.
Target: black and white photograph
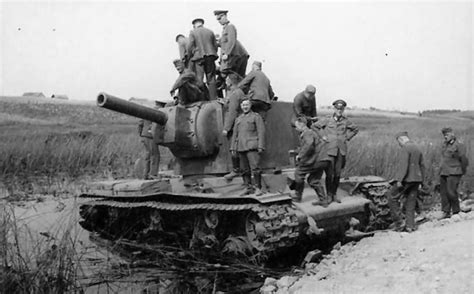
264	147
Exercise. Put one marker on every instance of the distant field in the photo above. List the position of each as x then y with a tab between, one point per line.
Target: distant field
60	142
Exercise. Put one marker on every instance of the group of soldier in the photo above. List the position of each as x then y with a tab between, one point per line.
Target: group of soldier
323	141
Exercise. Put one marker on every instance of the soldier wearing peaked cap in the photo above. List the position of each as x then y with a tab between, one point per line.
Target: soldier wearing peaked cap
304	104
409	176
454	164
234	57
337	130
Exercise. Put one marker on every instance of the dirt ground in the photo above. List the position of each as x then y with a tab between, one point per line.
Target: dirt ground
437	258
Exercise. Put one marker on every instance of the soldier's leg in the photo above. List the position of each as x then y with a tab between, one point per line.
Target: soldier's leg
443	191
244	165
241	65
338	165
452	188
147	157
329	171
235	163
411	195
314	181
299	183
199	70
210	71
155	159
393	195
254	162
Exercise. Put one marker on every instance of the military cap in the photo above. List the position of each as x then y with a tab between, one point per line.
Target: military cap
219	12
198	20
178	36
310	89
446	130
177	61
339	103
401	134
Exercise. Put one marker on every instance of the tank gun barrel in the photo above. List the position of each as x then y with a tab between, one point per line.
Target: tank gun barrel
123	106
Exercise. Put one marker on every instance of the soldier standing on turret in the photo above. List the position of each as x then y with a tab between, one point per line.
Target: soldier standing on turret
248	142
202	42
234	57
337	130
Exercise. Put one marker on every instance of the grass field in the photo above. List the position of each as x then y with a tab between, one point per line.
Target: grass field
47	147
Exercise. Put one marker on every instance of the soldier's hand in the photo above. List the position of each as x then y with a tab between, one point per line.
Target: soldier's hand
224	132
325	139
259	150
233	152
224	57
297	158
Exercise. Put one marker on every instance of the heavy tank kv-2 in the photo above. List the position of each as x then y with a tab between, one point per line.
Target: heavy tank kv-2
198	208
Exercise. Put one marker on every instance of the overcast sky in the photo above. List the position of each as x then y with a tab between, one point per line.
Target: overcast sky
404	56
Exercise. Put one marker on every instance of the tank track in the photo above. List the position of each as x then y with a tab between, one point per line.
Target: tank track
377	193
271	228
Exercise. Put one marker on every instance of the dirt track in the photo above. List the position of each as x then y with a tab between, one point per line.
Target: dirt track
438	258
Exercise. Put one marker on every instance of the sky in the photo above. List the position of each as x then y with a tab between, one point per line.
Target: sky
406	56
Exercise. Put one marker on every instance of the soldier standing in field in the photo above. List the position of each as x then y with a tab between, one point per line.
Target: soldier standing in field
259	89
189	90
248	141
304	104
152	152
454	164
232	109
202	42
337	130
234	57
409	176
312	160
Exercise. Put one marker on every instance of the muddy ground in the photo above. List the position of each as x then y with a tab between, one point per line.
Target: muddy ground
438	258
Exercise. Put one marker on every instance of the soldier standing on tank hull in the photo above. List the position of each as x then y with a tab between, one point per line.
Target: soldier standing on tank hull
410	175
454	164
311	160
337	130
202	42
189	91
304	104
232	107
248	141
234	57
257	85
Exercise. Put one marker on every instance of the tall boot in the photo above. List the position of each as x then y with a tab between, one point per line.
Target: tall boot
235	169
248	184
211	85
320	195
299	187
258	184
334	190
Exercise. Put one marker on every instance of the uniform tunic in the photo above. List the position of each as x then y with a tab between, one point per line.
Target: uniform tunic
454	164
230	46
232	106
304	106
189	89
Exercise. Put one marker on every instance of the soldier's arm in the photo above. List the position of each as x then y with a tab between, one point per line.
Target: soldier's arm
245	83
422	168
140	126
313	108
235	136
191	41
352	130
463	158
260	131
297	107
306	144
231	39
233	111
319	127
271	94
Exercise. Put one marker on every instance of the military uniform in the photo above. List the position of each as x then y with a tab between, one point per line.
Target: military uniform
337	132
247	139
232	110
453	166
184	54
236	53
312	161
202	42
189	89
152	152
259	90
305	106
410	173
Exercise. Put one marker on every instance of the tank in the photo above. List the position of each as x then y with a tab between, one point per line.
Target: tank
196	208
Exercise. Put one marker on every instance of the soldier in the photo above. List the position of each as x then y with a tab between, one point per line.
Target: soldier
248	141
234	57
189	89
203	44
311	160
304	104
454	164
152	152
337	130
183	51
408	178
260	92
232	107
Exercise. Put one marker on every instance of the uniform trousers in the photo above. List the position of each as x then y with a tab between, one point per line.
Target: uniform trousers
152	157
261	108
237	64
250	165
314	173
338	163
207	67
448	186
408	192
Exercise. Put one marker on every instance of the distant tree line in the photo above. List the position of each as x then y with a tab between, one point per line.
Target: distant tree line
439	111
